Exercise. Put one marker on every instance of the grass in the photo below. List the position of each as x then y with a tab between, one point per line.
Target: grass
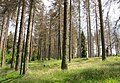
79	71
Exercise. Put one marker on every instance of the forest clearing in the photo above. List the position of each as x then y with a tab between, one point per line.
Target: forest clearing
59	41
92	70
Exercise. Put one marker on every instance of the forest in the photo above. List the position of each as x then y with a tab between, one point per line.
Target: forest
59	41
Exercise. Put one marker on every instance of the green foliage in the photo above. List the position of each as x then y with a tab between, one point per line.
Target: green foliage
80	71
10	42
118	55
7	75
83	45
34	55
8	57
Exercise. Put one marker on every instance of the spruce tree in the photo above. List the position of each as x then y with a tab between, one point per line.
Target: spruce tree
83	45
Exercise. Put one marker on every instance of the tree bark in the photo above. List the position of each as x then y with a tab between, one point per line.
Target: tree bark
2	31
70	33
23	49
5	42
31	41
59	31
49	52
64	63
28	38
39	48
109	35
20	39
15	36
88	36
98	46
79	36
90	42
102	30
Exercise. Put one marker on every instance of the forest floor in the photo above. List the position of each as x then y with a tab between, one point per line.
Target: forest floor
92	70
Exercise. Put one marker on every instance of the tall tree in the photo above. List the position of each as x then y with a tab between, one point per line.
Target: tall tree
2	30
22	56
83	45
31	41
20	40
28	38
49	53
102	30
97	36
59	31
79	36
64	63
89	22
15	36
5	42
109	34
70	33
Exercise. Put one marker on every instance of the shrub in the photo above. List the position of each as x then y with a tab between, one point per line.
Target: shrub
8	57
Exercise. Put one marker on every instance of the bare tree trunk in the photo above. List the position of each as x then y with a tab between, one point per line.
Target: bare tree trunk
90	42
39	47
31	41
79	38
72	41
2	31
23	48
45	47
59	31
70	33
109	35
20	40
64	63
102	30
88	36
5	42
72	47
98	46
49	53
15	36
28	38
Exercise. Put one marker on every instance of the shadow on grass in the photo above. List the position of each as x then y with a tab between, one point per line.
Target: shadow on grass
9	79
109	72
7	75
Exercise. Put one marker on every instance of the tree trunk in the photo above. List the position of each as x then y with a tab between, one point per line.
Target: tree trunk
20	39
59	31
2	31
102	30
23	49
15	36
28	38
64	62
90	42
5	42
109	35
49	52
45	47
79	37
88	36
31	41
70	33
98	46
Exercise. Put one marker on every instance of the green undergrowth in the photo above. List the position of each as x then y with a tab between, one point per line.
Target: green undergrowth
92	70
